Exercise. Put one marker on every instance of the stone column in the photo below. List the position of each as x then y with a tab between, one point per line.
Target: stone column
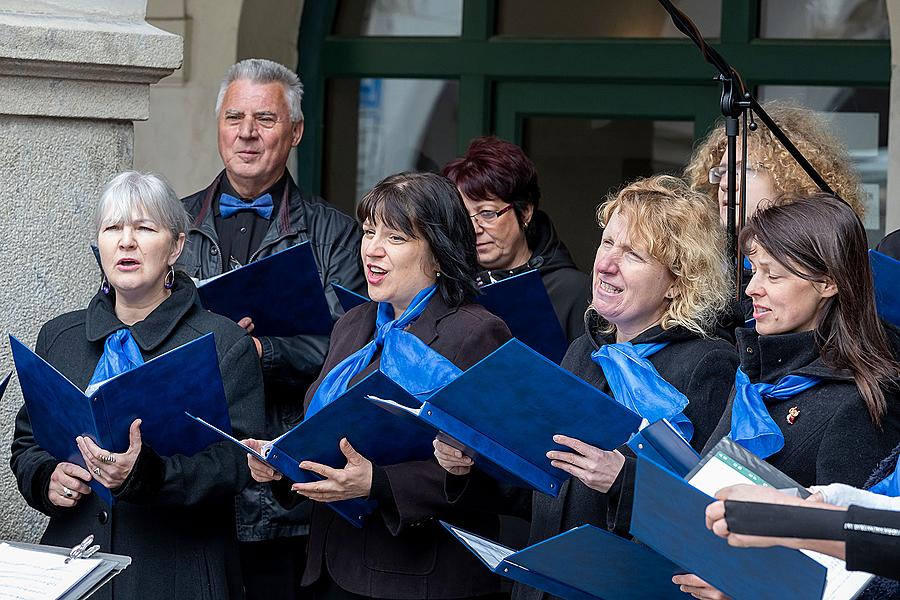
74	74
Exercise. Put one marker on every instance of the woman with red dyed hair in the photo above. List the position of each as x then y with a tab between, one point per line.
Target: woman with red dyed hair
499	187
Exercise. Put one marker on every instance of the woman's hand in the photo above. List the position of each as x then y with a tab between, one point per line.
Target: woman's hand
68	483
353	481
596	468
247	324
109	468
696	587
259	470
453	460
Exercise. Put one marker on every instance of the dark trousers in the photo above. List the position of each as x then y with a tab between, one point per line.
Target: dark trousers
272	569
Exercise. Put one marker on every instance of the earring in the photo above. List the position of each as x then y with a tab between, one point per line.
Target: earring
104	285
437	274
169	281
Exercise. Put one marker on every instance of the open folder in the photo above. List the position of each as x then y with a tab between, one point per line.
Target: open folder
34	571
282	293
504	411
585	563
521	301
886	273
669	516
157	392
372	432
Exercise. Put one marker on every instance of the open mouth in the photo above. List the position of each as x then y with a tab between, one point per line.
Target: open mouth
759	311
609	288
127	262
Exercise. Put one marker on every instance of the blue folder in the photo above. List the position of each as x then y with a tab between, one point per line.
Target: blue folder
282	293
372	432
347	297
158	392
505	410
661	443
669	516
886	273
524	305
585	563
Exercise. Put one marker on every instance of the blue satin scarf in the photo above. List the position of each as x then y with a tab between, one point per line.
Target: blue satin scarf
406	359
637	385
120	354
751	424
890	485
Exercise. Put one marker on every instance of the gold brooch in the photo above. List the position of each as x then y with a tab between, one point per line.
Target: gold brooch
793	413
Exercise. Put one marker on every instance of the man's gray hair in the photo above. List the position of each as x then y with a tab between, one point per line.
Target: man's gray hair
133	195
260	70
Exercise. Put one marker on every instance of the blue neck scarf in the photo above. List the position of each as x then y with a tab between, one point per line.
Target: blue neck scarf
406	359
751	424
890	485
262	206
637	385
120	354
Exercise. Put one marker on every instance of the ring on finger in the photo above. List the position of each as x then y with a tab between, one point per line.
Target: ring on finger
67	492
109	459
97	471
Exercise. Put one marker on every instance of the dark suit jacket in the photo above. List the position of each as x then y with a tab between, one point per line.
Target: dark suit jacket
402	551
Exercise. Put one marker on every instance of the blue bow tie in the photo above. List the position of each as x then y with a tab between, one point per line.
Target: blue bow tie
228	205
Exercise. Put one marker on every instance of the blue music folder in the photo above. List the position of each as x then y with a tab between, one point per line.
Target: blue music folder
282	293
372	432
524	305
347	297
664	445
157	392
669	516
585	563
504	411
886	273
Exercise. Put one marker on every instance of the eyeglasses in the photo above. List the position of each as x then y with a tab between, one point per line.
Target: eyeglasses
720	172
486	217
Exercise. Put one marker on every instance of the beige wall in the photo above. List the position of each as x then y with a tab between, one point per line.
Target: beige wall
179	139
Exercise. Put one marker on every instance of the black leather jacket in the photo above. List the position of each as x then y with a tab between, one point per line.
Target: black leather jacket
289	364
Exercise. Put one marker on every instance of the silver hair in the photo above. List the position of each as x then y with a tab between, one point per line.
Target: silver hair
132	195
260	70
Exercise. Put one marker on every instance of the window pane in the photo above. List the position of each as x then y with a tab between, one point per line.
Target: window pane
579	161
398	18
378	127
603	18
859	117
824	19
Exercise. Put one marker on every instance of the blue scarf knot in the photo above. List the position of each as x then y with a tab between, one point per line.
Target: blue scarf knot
751	424
262	206
637	385
406	359
120	354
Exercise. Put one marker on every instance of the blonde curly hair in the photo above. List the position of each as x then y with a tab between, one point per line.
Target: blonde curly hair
809	132
680	228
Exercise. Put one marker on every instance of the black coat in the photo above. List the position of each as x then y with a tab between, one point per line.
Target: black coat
402	551
569	289
174	515
289	364
869	552
700	368
833	439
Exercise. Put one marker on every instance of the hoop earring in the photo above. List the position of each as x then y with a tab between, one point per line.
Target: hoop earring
104	285
169	281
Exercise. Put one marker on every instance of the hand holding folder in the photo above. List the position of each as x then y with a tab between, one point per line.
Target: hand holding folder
158	392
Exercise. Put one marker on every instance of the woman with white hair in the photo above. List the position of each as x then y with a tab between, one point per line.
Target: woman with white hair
173	515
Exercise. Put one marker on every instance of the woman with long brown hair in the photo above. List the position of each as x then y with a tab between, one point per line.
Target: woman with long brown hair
816	391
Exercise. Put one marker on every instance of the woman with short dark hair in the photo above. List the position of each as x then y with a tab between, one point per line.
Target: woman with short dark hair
418	254
499	187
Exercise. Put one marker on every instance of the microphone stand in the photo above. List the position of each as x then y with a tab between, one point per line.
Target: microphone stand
737	102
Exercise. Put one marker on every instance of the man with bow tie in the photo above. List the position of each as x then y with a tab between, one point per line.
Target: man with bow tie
251	210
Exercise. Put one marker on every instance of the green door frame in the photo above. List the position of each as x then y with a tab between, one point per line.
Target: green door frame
483	62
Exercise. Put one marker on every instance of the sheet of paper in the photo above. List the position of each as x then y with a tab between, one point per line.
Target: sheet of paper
840	584
33	575
492	554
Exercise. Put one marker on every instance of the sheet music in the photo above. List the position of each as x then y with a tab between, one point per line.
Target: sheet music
33	575
492	554
840	584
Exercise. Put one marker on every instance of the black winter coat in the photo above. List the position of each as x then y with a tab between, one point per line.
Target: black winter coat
700	368
569	289
833	439
401	551
174	515
289	364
